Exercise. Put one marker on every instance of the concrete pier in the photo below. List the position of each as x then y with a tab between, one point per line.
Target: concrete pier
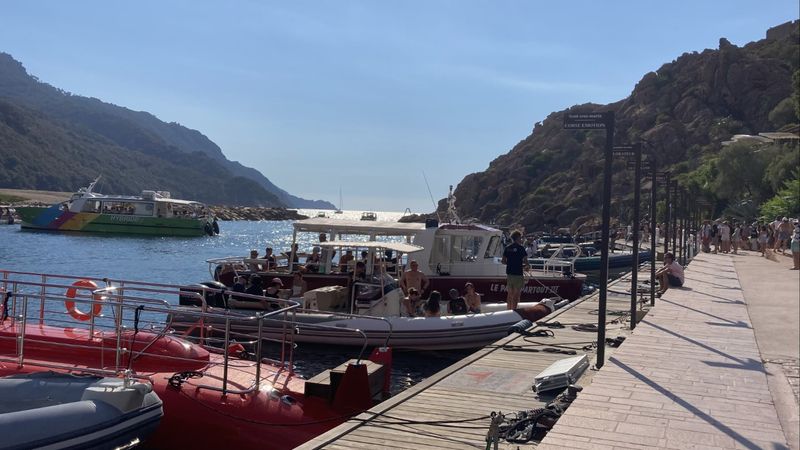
712	365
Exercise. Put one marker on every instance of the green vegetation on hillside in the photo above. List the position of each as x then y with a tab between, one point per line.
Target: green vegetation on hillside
53	140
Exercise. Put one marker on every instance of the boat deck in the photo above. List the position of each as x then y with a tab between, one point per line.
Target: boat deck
495	378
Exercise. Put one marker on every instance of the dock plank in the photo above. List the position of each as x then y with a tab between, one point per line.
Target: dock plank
495	378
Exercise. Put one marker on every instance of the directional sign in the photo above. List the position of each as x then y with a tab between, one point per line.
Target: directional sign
631	165
624	153
586	121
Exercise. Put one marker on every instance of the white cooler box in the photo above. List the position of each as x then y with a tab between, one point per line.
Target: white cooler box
326	298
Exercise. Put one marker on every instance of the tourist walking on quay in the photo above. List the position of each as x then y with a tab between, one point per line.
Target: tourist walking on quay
784	234
725	236
763	239
735	237
715	236
515	259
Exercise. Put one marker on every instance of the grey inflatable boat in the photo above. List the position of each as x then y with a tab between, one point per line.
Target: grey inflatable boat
51	410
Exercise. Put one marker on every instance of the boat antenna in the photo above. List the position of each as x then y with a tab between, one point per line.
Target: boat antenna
92	184
429	190
452	214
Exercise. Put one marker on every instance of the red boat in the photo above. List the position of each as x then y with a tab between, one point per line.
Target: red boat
213	396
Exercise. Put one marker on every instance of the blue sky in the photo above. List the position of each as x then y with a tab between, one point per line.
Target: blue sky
366	95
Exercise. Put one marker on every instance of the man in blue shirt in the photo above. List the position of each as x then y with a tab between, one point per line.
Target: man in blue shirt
516	260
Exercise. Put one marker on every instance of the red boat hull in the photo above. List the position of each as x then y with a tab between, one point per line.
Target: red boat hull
278	415
492	288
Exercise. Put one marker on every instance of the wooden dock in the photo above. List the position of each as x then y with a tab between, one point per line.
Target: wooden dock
452	408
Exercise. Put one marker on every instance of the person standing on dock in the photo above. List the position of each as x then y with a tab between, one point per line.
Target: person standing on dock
515	259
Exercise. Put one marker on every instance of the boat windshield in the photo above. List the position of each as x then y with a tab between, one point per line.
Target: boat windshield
495	248
456	248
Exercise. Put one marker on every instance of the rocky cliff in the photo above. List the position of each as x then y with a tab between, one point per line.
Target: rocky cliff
685	109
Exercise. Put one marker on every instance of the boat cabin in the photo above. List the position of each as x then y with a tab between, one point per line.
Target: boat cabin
149	204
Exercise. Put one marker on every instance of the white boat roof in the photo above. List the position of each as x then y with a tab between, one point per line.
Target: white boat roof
324	224
135	198
396	246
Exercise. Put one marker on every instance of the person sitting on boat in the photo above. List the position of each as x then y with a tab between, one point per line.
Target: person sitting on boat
432	306
360	274
456	306
255	287
299	286
313	260
252	264
391	261
472	298
411	302
327	254
345	261
238	285
274	287
532	247
669	275
294	261
269	259
414	278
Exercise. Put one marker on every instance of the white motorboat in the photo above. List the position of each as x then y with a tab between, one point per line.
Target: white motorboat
374	306
63	411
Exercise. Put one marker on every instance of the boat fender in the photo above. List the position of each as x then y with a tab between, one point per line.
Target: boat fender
533	313
236	349
383	356
215	226
73	310
207	228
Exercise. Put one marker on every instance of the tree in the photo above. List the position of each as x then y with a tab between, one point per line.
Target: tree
786	202
740	173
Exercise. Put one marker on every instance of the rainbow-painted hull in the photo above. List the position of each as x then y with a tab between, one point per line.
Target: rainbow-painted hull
55	218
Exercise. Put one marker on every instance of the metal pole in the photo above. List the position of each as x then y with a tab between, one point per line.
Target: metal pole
637	184
601	313
653	228
677	204
668	208
684	223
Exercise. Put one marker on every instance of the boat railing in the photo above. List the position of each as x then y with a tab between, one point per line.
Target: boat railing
31	297
560	262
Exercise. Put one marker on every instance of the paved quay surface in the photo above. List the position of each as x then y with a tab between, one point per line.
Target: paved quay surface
692	374
495	378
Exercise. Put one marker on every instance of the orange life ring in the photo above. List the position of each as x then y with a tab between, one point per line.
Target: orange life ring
70	304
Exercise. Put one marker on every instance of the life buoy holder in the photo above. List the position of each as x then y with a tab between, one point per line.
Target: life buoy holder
73	310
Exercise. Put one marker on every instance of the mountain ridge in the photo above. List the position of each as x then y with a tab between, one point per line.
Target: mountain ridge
137	131
688	107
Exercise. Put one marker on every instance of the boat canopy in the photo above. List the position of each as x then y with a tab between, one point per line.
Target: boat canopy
324	225
373	245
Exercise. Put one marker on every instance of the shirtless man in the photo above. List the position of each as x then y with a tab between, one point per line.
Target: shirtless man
414	278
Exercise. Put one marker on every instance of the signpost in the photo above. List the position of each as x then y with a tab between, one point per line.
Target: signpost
600	121
634	151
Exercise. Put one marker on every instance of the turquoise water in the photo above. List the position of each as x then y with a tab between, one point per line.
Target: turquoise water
182	261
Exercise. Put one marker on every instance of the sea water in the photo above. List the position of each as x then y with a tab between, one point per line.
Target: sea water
177	260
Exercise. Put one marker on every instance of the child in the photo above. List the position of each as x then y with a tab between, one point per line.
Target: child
472	298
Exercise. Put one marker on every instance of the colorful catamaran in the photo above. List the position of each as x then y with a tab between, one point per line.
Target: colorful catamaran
151	213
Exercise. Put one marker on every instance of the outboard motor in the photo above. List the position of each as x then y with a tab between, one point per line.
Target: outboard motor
188	295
